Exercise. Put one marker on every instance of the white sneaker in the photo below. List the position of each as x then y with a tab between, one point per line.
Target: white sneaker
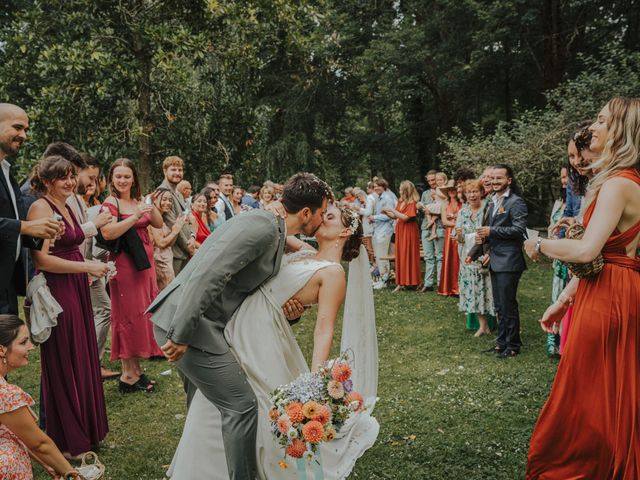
379	285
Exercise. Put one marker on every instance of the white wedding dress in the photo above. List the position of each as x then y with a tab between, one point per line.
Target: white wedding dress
265	346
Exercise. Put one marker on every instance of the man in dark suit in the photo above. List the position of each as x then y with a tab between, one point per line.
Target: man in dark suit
506	230
15	232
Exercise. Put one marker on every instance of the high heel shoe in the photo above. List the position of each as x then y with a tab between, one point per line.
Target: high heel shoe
139	386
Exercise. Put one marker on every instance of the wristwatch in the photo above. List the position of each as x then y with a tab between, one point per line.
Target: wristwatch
538	244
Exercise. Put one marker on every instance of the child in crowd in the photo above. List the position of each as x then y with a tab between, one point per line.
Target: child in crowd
432	210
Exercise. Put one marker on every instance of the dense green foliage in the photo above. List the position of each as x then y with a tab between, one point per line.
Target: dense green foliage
446	410
347	89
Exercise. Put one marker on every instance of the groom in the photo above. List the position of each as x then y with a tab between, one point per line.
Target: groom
506	231
190	314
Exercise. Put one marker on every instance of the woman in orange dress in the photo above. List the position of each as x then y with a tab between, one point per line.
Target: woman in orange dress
450	260
590	428
407	237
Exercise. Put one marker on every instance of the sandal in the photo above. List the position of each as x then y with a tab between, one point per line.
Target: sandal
139	386
146	380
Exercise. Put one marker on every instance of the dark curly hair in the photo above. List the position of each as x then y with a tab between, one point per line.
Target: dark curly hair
48	169
582	139
351	247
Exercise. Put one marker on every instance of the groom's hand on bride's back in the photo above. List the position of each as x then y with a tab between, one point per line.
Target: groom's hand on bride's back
173	351
293	310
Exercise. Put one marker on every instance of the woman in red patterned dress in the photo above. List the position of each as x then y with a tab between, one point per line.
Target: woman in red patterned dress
590	428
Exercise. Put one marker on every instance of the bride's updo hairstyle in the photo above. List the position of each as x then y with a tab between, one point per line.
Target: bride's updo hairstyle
48	169
351	247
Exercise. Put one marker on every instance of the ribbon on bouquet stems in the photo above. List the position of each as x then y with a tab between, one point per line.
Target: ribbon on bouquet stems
316	468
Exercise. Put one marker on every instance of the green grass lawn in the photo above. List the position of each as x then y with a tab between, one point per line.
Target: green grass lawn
446	410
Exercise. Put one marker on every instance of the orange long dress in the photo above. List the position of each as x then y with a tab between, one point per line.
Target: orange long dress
407	246
590	426
450	259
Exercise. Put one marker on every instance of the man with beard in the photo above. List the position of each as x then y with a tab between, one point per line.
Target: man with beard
506	230
190	314
185	244
15	232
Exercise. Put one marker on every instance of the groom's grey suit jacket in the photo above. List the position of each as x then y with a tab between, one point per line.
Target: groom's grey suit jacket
233	261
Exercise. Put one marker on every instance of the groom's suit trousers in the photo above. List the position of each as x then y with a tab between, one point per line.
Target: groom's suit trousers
223	382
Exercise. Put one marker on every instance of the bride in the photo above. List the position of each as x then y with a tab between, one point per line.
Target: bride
263	342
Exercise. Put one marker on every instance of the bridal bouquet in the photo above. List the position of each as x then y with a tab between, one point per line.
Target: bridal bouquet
312	409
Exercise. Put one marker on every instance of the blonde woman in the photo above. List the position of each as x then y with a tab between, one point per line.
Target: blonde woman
407	236
595	394
267	195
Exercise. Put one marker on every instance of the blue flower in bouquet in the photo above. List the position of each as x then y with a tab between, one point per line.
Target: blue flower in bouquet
348	386
306	387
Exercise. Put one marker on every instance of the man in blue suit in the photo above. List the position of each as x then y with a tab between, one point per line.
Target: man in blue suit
15	232
506	231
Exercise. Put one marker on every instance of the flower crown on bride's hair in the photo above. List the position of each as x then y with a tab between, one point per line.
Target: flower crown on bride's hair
355	222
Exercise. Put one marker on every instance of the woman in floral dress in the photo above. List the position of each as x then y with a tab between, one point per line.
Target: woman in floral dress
475	287
19	432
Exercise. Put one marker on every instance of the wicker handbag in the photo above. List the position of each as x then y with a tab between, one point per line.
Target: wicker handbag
583	270
93	470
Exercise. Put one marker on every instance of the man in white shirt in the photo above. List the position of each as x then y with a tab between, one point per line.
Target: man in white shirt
223	206
383	227
15	232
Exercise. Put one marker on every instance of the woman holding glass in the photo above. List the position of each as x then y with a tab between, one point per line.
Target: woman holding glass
134	287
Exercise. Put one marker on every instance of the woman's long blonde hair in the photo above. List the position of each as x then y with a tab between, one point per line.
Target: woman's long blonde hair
408	192
622	147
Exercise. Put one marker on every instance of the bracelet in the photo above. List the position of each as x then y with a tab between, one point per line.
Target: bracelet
538	245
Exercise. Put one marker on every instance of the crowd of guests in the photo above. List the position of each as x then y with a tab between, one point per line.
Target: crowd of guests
105	249
452	226
98	250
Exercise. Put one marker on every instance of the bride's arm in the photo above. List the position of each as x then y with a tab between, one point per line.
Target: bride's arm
294	244
330	296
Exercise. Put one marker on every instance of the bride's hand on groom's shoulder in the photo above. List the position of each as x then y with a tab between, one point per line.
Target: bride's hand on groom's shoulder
277	209
173	351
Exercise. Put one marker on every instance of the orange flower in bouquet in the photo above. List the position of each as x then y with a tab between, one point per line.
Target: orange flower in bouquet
313	431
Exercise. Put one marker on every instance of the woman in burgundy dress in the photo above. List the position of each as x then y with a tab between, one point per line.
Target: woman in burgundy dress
450	259
73	404
132	290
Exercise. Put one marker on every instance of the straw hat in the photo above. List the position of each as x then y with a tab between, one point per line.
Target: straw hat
450	185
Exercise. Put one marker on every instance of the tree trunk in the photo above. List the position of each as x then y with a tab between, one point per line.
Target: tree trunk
143	87
554	50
